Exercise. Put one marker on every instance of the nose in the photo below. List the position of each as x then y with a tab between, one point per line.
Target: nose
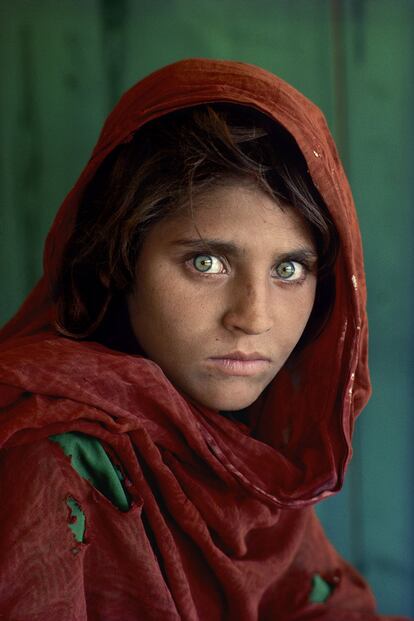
249	308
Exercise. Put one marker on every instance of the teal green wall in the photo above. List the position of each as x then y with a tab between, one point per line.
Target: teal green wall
64	63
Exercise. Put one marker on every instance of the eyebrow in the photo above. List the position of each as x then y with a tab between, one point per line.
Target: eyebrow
218	246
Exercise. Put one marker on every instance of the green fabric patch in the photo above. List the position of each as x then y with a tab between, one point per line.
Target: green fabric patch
77	523
92	463
321	590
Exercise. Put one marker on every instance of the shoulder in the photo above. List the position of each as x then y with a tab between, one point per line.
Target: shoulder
36	480
40	549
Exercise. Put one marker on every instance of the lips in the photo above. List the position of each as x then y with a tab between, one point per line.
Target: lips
240	363
239	355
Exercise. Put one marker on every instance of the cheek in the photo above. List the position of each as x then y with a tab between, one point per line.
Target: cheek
164	311
296	312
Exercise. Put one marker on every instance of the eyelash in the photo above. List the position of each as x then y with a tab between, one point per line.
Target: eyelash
189	261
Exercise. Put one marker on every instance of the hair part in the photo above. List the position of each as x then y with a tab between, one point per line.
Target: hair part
167	164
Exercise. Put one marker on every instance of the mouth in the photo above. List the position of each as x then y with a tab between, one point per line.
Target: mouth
240	364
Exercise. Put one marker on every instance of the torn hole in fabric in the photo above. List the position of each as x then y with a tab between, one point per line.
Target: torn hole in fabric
76	520
321	590
90	460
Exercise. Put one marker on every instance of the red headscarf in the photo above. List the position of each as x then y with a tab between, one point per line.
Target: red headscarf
221	526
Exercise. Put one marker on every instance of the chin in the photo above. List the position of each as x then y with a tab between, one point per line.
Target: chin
228	402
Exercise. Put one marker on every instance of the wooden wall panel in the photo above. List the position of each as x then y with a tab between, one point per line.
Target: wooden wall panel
52	111
379	54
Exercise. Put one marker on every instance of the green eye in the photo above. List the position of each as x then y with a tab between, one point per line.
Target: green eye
286	270
207	263
203	263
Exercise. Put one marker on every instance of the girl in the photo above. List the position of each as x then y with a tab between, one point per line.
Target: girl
180	388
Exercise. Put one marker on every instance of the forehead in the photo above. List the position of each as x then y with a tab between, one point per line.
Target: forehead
242	213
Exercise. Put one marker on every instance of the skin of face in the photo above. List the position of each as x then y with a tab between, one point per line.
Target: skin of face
235	278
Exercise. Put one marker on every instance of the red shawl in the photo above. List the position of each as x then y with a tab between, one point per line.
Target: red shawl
221	525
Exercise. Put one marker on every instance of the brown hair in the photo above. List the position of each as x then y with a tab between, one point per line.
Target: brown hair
168	162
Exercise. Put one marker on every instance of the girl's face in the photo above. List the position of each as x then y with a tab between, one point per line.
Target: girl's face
222	298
